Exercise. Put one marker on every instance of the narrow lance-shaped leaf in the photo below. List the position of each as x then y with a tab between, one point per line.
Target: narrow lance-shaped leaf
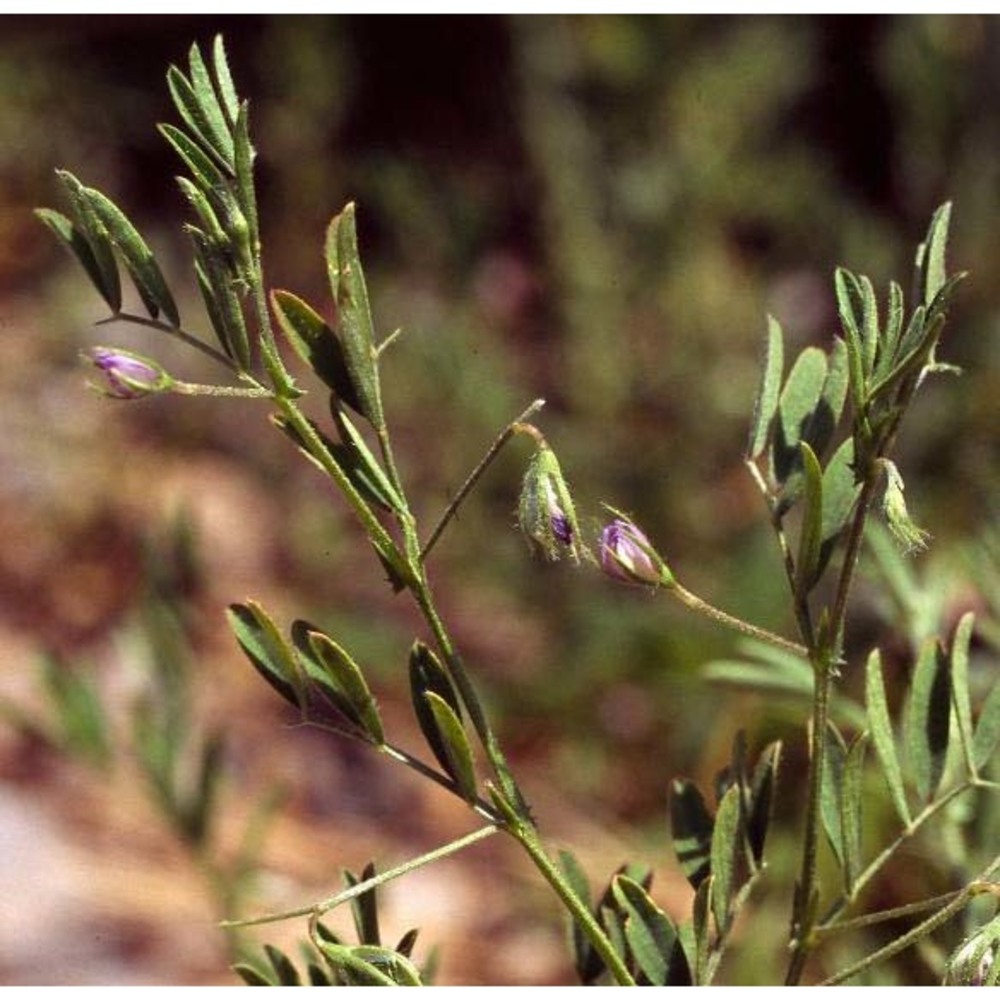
960	685
315	343
932	257
700	914
217	144
928	718
224	79
97	238
850	809
355	970
880	727
766	403
458	753
284	969
347	676
987	735
840	492
796	407
584	957
364	461
869	325
811	530
762	799
691	828
350	293
138	258
245	154
427	674
651	935
365	907
832	790
103	278
215	279
266	649
204	170
726	842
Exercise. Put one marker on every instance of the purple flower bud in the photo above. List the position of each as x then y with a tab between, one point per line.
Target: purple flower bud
560	523
126	375
626	555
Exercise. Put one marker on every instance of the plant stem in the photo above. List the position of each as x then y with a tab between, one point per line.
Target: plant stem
576	906
825	652
466	487
188	338
325	905
961	898
695	603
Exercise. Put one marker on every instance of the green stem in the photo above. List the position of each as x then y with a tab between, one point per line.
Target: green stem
243	392
508	432
325	905
829	922
825	653
188	338
695	603
576	906
961	898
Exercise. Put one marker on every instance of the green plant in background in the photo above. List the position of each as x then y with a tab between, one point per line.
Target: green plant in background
820	449
180	764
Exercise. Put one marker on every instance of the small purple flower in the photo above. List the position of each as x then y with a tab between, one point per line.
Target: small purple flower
126	375
627	555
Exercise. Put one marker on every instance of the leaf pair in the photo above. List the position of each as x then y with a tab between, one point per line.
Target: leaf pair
439	715
97	234
313	672
645	937
718	853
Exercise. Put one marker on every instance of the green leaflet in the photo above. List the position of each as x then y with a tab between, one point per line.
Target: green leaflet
727	842
691	827
458	760
350	293
99	266
347	677
831	792
315	343
364	908
840	492
796	408
931	254
651	935
138	258
98	239
850	809
928	719
215	281
987	734
427	674
585	960
197	104
766	403
762	799
882	735
811	531
960	686
264	646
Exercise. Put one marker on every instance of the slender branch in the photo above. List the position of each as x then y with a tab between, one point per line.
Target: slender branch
961	898
508	432
174	331
325	905
883	916
695	603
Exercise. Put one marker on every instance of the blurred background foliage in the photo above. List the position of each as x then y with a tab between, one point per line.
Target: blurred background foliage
596	210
